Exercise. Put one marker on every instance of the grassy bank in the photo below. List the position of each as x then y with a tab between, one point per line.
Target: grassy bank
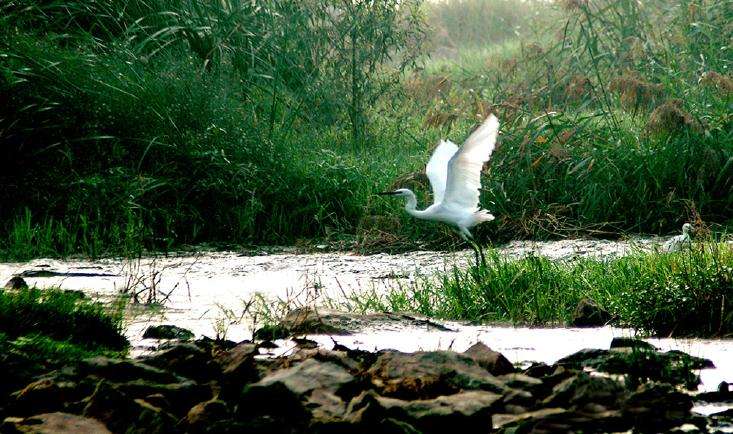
45	330
679	294
128	125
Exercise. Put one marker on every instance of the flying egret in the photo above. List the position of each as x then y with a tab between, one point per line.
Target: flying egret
677	242
455	177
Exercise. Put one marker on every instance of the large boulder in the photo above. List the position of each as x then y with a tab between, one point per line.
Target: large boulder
185	359
122	370
657	407
287	400
492	361
48	394
430	374
176	398
238	368
54	423
306	377
123	413
584	388
207	416
470	410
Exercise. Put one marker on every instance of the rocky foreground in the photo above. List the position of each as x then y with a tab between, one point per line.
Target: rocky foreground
222	387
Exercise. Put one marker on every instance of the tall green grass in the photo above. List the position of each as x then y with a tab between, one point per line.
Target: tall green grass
136	125
62	316
680	294
129	125
611	121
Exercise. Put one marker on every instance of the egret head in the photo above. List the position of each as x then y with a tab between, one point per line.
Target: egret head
399	192
686	228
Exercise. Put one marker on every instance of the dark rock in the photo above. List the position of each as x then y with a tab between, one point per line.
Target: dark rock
211	345
272	332
158	400
278	402
304	343
122	413
492	361
15	283
539	370
500	421
589	314
47	394
238	369
636	344
640	366
366	358
311	321
583	389
122	370
471	411
341	358
168	331
429	374
268	345
327	409
151	419
581	358
179	396
207	414
306	377
724	387
110	406
721	395
655	407
591	418
54	423
306	320
185	359
524	382
518	398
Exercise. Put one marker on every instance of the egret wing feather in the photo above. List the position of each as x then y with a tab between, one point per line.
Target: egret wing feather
437	168
464	168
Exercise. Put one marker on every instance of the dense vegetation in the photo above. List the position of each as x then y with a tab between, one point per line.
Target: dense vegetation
680	294
133	124
42	330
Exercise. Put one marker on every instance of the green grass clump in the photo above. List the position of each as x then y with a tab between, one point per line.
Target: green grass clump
680	294
60	316
45	330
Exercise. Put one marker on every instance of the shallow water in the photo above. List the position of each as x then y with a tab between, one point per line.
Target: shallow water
208	287
207	292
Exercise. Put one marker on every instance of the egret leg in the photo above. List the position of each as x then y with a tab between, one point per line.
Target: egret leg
479	253
477	250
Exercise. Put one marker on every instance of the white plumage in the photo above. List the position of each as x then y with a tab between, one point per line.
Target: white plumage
455	177
677	242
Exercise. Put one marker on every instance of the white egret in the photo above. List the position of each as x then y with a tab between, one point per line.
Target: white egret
455	177
677	242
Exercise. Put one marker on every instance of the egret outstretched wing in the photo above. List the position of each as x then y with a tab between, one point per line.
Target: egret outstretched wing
464	168
437	168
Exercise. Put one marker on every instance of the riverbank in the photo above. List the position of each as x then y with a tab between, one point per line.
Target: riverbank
219	387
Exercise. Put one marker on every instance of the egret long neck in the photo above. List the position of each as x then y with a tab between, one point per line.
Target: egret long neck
411	205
